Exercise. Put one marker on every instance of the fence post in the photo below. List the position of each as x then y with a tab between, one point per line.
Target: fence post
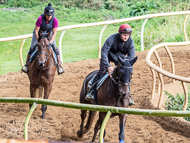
142	30
104	125
60	43
100	38
27	120
184	28
21	59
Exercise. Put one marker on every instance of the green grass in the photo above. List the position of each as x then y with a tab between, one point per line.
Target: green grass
82	43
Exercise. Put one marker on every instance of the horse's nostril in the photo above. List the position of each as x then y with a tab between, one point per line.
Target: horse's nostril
41	64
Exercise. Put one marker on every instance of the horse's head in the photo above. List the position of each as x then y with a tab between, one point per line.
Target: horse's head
43	49
125	71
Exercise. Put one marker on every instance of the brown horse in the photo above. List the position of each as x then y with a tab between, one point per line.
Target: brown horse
113	92
41	70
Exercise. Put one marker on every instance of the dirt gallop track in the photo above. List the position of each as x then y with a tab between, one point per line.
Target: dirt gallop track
61	124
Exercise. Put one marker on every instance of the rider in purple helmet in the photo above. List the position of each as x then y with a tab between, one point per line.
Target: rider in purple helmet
46	23
120	44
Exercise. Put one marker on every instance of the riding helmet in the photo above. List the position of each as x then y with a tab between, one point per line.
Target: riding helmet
125	28
49	10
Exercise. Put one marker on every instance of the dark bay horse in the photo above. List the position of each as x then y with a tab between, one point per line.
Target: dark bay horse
41	70
113	92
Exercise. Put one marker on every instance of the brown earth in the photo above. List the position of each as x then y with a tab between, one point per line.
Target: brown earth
61	124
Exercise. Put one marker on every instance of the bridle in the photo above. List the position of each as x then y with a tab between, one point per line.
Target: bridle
47	57
119	84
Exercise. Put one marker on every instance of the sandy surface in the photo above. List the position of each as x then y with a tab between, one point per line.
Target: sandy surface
61	124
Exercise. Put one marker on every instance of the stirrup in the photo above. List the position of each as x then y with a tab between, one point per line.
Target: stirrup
90	96
25	69
131	102
60	72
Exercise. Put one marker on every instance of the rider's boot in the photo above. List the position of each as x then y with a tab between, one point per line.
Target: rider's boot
60	69
90	94
25	67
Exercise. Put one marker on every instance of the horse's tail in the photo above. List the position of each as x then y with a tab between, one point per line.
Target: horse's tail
84	83
84	87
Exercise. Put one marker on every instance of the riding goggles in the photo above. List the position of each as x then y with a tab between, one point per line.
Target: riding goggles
126	30
50	12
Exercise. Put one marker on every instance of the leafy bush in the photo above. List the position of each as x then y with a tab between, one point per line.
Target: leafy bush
141	8
177	103
24	3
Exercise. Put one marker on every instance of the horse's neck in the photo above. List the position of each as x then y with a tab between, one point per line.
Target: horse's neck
114	76
115	72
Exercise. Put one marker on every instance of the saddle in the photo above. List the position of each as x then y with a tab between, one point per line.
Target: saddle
33	55
101	80
98	85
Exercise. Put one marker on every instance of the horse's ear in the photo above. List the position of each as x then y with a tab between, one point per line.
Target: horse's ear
132	61
121	60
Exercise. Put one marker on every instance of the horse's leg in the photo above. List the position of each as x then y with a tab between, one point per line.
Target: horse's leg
90	121
32	92
47	91
40	91
98	125
80	132
122	120
96	128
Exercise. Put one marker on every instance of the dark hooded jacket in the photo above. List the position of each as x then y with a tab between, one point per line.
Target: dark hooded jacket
114	46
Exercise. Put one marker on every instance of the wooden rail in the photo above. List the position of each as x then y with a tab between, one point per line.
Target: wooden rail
161	72
109	109
105	23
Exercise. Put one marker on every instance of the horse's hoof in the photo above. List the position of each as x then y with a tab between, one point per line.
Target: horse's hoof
43	116
79	134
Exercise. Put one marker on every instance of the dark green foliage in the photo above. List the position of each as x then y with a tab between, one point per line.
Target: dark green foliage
177	102
79	44
141	8
24	3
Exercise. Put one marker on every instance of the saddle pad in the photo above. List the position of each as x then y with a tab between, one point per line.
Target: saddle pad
36	51
33	54
101	81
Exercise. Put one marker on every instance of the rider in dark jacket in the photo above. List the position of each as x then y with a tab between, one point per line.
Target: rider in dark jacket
120	43
46	23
